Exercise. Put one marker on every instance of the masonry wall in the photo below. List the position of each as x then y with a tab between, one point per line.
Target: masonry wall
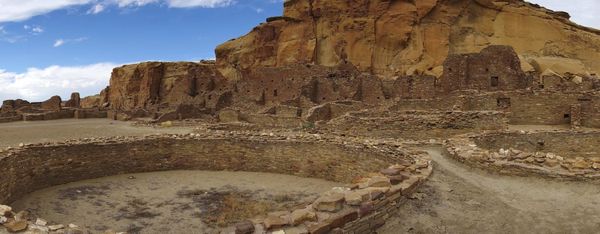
544	108
36	167
562	143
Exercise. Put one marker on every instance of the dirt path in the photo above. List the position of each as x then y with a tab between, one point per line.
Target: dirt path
12	134
459	199
171	201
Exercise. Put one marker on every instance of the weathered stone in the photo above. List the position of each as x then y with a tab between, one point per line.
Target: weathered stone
319	228
41	222
379	181
581	164
394	180
332	202
245	227
540	160
551	162
56	227
366	209
54	103
35	229
22	215
343	217
530	160
296	230
302	215
74	231
274	222
16	226
74	102
390	171
357	197
4	210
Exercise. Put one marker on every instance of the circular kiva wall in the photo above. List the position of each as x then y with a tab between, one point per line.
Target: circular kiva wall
379	174
569	154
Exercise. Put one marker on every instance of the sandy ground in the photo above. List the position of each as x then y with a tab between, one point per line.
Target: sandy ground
160	202
458	199
12	134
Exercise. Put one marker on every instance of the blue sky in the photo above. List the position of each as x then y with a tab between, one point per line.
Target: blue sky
50	47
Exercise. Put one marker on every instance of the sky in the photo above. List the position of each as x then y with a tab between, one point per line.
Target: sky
55	47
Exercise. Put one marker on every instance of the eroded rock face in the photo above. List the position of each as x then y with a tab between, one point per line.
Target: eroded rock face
395	38
54	104
157	85
74	102
13	105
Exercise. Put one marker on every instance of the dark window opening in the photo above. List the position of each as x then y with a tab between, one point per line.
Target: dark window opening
540	145
275	93
494	81
503	102
567	116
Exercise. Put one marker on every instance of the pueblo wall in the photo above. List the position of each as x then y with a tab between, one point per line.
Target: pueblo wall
362	207
157	85
39	166
396	38
562	154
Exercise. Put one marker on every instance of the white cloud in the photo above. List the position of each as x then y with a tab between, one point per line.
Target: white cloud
199	3
39	84
96	9
37	29
584	12
59	42
20	10
33	29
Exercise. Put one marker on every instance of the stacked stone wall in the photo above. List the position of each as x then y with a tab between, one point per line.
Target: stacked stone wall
565	154
365	203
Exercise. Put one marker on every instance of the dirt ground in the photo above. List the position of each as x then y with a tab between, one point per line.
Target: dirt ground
458	199
172	201
12	134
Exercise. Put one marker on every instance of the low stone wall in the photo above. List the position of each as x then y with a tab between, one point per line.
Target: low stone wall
351	160
11	119
90	114
526	153
61	114
417	124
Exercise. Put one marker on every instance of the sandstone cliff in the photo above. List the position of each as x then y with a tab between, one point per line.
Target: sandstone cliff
395	38
156	85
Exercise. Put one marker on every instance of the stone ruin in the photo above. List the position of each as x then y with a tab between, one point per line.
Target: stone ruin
51	109
359	207
348	97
